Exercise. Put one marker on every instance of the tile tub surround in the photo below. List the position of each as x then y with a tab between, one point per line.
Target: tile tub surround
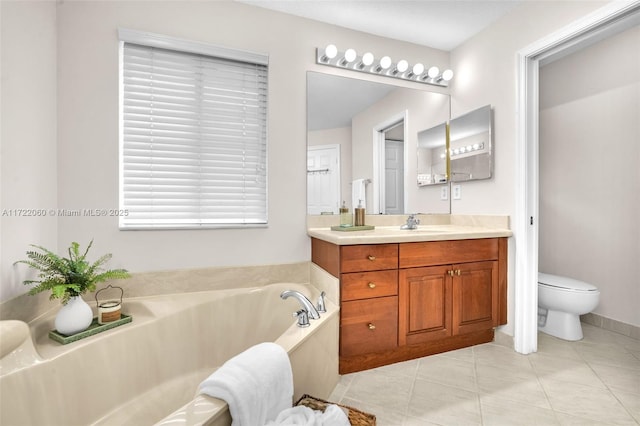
141	284
595	381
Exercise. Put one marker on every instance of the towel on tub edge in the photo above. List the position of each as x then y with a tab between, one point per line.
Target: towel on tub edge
257	384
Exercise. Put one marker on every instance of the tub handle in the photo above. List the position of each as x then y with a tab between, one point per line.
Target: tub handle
303	318
321	305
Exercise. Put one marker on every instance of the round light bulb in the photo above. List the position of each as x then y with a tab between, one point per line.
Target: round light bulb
330	51
367	58
402	65
350	55
385	62
418	69
433	72
447	75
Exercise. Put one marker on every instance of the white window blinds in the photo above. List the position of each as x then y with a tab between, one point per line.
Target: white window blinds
193	140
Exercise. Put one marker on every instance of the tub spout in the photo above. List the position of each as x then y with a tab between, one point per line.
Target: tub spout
306	303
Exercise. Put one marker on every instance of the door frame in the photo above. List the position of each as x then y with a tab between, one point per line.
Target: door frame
527	162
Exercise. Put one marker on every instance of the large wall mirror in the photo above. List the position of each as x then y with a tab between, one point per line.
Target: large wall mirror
362	140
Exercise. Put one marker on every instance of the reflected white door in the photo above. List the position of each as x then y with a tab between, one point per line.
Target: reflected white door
394	177
323	179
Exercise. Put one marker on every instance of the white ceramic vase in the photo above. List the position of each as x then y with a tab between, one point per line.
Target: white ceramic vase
74	317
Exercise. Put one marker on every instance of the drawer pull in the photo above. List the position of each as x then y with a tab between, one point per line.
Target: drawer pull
372	285
371	326
371	258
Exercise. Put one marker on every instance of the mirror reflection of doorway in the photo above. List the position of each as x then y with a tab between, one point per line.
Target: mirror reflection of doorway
394	169
391	174
323	179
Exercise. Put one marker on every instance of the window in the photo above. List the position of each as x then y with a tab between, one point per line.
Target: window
193	137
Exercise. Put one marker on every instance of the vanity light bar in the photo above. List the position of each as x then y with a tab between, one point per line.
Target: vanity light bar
367	63
466	149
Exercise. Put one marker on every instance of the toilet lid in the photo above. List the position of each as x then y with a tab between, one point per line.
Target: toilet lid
564	282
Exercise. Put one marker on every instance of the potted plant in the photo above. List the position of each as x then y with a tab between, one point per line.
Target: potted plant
67	279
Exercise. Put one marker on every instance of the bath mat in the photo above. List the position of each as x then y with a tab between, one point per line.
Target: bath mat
356	417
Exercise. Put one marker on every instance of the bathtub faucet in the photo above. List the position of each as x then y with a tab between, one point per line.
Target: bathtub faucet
306	303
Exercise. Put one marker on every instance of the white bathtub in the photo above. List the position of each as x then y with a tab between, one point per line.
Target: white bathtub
147	371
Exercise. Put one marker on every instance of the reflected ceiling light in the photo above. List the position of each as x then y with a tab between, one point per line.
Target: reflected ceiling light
367	63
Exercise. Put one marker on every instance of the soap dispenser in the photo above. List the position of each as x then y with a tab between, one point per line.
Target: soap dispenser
359	214
346	219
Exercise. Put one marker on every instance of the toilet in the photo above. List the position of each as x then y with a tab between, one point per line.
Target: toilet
561	301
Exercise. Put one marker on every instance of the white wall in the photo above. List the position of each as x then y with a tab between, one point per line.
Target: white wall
28	135
87	120
485	73
590	171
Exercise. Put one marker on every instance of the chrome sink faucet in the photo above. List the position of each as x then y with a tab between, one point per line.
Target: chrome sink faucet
307	306
412	222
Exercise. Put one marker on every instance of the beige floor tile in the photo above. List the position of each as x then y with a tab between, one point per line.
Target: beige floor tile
565	370
507	359
445	405
624	379
593	382
448	371
630	401
379	389
586	402
496	413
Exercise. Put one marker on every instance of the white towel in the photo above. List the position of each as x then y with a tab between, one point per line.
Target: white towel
256	384
359	193
305	416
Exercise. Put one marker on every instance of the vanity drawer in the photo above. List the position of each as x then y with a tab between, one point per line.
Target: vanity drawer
368	325
365	285
370	257
433	253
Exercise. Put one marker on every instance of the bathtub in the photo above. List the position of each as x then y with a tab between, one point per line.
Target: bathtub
146	372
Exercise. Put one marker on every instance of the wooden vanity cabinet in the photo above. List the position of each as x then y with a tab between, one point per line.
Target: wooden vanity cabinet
407	300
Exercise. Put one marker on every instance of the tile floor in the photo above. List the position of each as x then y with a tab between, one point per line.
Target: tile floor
595	381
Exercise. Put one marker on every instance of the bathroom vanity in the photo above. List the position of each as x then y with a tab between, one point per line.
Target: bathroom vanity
406	294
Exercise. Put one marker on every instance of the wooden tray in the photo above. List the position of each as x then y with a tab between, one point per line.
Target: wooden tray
94	328
352	228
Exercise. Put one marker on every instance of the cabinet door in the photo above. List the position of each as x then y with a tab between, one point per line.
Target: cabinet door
368	325
424	304
475	296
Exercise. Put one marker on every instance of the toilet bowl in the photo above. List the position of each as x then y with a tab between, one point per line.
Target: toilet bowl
561	301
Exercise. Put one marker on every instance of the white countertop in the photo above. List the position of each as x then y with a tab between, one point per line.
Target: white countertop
432	228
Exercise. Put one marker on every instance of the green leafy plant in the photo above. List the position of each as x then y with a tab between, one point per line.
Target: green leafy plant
68	277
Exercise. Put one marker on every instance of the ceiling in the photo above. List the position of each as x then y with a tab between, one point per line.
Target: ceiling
441	24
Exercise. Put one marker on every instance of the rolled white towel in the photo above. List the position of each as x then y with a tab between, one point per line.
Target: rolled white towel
305	416
257	384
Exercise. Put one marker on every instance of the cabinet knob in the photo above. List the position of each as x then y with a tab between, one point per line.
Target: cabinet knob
458	272
371	326
372	285
450	273
371	258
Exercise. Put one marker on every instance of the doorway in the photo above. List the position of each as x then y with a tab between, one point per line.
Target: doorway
390	159
323	179
592	27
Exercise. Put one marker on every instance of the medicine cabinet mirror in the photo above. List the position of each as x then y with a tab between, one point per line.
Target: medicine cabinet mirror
470	146
351	126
